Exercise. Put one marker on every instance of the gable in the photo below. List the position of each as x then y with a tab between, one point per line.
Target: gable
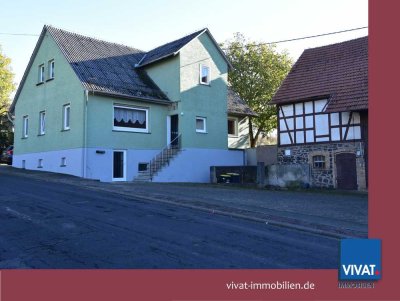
45	49
173	48
167	50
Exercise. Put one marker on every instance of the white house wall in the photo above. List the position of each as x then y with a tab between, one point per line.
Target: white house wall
193	164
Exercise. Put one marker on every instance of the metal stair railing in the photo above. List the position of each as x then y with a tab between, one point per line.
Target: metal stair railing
163	157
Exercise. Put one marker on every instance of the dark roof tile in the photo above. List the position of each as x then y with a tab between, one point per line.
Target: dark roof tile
236	105
106	67
338	71
168	49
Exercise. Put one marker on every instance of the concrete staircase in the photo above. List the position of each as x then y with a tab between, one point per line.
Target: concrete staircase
161	160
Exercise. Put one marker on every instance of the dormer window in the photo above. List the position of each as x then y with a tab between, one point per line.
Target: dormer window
204	75
51	69
41	74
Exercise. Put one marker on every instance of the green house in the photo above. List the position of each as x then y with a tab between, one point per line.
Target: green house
105	111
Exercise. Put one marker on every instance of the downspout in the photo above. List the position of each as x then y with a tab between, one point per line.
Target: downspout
84	163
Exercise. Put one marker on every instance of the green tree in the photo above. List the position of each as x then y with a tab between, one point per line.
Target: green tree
258	71
7	86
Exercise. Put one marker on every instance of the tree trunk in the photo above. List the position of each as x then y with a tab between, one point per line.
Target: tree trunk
251	136
256	136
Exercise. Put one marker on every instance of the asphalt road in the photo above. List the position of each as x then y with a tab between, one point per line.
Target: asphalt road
56	225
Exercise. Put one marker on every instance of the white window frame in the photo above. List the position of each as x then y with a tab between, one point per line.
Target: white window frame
25	126
236	124
42	122
66	126
41	74
51	69
126	129
208	75
204	130
319	160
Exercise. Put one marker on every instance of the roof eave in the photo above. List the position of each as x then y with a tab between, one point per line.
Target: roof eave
141	98
297	100
239	114
154	61
347	109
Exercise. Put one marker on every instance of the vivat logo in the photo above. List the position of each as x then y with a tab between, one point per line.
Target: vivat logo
360	259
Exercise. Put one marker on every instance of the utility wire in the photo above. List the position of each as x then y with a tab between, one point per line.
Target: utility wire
315	36
267	43
18	34
307	37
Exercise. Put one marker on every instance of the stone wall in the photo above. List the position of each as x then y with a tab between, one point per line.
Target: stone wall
324	177
288	175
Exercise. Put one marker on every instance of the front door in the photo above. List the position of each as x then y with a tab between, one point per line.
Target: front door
119	165
174	129
346	171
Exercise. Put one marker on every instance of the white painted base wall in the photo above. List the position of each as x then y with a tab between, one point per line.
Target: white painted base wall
193	165
51	161
100	166
190	165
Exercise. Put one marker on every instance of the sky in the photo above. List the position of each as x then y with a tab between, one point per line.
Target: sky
147	24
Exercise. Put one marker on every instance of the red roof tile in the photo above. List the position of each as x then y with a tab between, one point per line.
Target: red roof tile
338	71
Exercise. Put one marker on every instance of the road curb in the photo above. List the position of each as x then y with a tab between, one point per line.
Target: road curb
271	221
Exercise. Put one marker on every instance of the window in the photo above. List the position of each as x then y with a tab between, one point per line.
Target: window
40	163
232	127
143	166
201	125
131	119
25	127
42	123
51	69
319	161
66	116
63	162
204	75
41	74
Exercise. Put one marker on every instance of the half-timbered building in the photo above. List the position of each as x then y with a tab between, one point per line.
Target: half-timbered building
323	115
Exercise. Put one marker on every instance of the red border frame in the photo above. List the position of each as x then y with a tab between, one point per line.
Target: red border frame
120	285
